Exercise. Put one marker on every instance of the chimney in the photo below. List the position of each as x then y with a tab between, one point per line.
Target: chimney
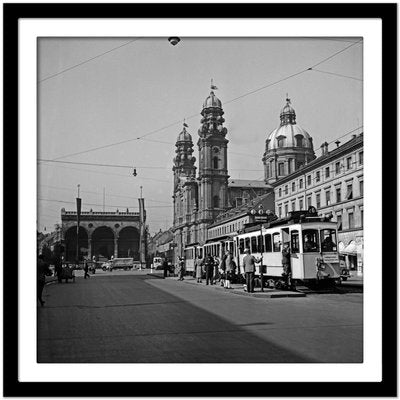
322	149
326	147
354	136
337	143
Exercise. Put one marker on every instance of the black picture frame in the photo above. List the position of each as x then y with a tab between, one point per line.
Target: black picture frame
12	386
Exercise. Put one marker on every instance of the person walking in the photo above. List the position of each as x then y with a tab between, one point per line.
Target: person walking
199	269
42	270
209	264
286	264
86	269
249	266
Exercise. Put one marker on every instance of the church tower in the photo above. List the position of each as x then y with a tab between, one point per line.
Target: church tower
213	163
287	148
185	195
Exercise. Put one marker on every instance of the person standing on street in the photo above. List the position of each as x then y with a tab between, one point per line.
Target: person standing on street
199	269
181	268
165	267
249	266
42	270
209	263
86	269
286	264
228	270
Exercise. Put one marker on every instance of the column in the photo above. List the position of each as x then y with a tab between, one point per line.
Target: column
90	248
116	247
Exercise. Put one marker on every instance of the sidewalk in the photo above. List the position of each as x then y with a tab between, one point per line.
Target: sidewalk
354	280
238	289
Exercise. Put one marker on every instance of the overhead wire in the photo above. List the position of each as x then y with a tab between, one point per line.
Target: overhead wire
336	74
226	102
99	205
86	61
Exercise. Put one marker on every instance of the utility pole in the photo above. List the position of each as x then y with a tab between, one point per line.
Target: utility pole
78	215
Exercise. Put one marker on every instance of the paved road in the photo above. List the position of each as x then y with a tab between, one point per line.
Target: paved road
132	317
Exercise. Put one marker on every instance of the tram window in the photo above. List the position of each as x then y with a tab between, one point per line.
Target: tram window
310	241
268	243
201	252
253	244
276	239
241	246
260	244
295	242
247	243
328	240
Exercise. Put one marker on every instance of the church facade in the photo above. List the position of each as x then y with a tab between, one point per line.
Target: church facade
202	193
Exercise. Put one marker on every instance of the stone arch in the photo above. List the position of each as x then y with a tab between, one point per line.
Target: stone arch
128	242
70	243
103	243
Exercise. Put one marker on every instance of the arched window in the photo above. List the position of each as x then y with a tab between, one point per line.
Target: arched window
215	162
216	201
299	140
281	141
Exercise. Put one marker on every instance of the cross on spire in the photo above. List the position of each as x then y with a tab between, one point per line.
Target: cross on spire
213	87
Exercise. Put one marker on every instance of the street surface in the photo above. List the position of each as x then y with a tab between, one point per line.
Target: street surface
132	317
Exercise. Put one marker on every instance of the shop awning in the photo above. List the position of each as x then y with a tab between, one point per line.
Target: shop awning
352	248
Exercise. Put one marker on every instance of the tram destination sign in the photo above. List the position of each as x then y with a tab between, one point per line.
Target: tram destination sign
330	258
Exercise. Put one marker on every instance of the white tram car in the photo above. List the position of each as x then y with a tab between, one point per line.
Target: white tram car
191	253
313	247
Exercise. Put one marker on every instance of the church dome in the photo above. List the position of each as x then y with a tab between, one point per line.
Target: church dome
289	133
212	101
184	136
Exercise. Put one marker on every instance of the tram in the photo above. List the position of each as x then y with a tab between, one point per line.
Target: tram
312	241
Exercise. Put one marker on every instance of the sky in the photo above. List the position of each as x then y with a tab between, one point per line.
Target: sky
97	96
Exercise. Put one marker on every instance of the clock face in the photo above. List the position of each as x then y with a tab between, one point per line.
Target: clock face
216	150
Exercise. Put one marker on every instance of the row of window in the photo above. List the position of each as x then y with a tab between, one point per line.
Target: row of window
225	229
281	141
281	167
327	172
313	241
338	195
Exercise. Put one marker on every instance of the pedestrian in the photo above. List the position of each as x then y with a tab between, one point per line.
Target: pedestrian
181	268
199	269
209	264
228	270
249	266
42	270
58	268
86	269
165	267
217	275
286	264
222	270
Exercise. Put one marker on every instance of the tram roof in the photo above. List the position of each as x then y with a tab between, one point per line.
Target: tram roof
294	217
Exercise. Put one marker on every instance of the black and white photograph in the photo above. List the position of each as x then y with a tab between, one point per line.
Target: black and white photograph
198	202
195	187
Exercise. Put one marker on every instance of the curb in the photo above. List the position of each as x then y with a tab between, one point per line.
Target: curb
259	295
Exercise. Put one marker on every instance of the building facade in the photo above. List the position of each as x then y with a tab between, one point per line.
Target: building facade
334	184
287	148
103	234
232	221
